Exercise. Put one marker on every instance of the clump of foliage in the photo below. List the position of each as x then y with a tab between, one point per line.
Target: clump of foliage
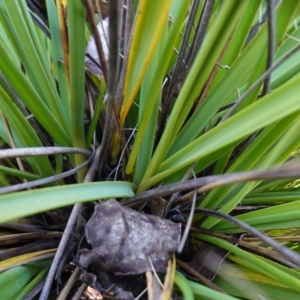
194	97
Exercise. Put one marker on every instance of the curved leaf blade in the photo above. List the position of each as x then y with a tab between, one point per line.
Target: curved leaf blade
17	205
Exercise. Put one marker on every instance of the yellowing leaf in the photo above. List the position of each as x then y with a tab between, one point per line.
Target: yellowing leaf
17	260
150	20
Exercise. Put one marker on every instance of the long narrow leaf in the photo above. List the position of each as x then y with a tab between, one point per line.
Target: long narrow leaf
150	19
196	78
260	114
17	205
76	27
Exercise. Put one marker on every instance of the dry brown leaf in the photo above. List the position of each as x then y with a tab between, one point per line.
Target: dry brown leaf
122	240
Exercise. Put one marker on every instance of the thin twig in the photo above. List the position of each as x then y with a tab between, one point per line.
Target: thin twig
39	182
141	294
69	249
179	71
181	65
295	238
271	42
115	8
64	293
175	195
60	250
98	9
197	275
31	295
188	224
201	30
123	151
79	292
35	246
209	182
259	81
68	230
155	273
17	237
22	227
274	255
251	176
289	254
128	23
36	151
113	75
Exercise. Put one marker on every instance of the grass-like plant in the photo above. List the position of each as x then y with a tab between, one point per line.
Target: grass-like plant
194	97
